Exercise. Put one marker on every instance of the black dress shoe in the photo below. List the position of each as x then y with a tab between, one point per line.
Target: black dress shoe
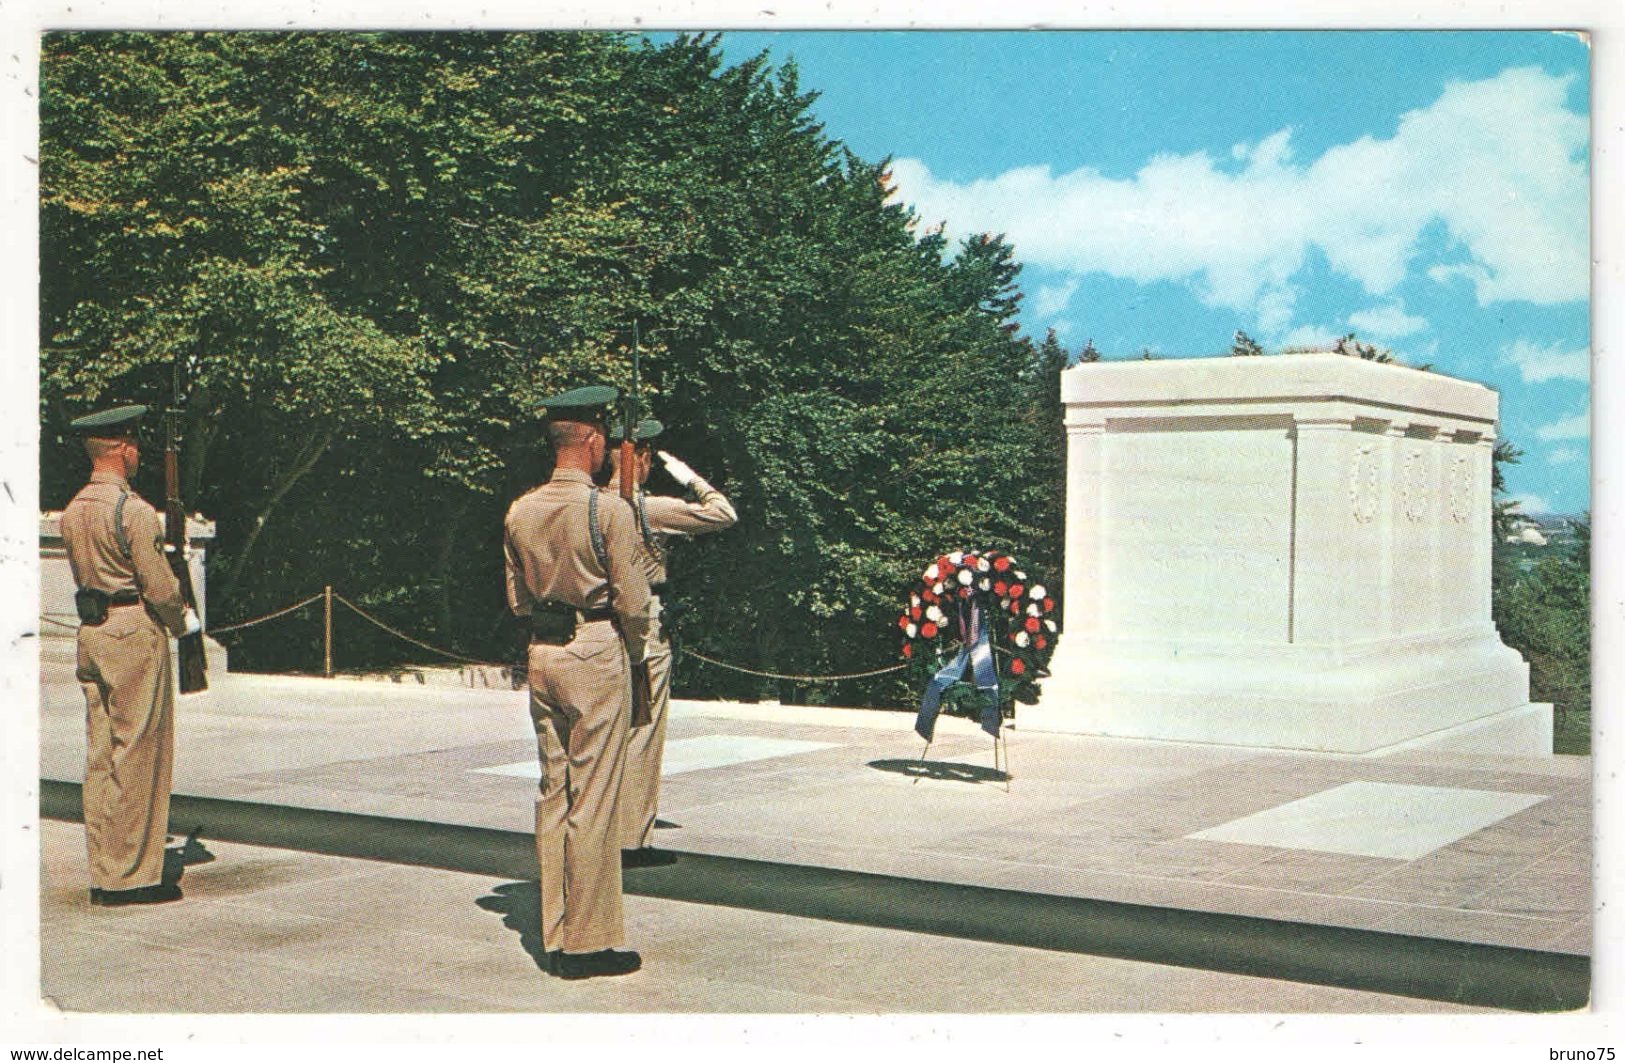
647	857
159	894
597	964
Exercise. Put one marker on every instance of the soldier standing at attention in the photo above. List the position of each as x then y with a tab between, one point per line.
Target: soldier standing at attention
572	571
659	518
129	603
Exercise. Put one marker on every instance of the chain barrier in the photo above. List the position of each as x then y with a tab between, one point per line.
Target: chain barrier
267	616
684	651
357	610
794	678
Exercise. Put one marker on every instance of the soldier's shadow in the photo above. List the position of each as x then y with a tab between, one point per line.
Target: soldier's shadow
177	858
520	905
941	769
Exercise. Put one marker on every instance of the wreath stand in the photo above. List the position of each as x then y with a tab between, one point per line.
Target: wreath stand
1001	745
985	594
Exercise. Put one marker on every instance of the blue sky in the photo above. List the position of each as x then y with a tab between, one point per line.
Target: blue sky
1427	190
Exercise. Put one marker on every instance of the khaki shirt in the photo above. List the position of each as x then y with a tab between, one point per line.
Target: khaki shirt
664	516
550	557
98	562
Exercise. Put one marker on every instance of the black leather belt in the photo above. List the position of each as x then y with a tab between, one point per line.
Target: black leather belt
92	604
555	622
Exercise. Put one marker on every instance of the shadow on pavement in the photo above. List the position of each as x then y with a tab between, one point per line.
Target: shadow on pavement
1460	972
941	769
177	858
520	905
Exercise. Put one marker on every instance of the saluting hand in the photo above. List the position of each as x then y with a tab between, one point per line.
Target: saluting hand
679	469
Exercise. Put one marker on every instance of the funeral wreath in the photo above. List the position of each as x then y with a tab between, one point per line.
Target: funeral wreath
977	611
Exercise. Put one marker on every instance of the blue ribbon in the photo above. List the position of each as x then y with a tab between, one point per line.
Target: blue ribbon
975	650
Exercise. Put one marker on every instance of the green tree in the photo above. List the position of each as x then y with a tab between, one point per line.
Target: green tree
1354	348
1545	613
1244	345
173	229
1504	513
376	251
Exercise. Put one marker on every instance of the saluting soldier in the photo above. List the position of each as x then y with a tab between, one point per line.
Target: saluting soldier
129	604
573	573
660	517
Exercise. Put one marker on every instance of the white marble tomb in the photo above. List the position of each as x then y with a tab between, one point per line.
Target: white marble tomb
1287	551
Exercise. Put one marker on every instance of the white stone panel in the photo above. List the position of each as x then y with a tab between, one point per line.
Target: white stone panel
1201	507
1391	820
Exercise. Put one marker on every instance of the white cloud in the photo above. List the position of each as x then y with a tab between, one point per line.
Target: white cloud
1534	505
1310	336
1388	322
1565	455
1051	299
1575	427
1273	310
1538	364
1500	162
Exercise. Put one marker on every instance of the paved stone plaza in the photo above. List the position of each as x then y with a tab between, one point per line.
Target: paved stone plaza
272	931
1492	850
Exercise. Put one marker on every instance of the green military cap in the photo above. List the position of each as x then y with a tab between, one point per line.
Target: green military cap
647	429
580	404
110	424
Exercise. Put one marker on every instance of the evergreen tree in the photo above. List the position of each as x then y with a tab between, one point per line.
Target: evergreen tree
1244	345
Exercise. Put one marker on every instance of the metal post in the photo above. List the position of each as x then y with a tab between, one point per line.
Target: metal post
327	632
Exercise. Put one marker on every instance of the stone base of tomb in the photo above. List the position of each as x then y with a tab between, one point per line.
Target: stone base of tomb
1461	691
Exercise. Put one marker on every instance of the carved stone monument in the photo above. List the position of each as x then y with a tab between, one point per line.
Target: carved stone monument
1285	551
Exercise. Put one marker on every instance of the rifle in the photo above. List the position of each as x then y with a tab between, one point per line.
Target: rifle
193	667
629	419
642	695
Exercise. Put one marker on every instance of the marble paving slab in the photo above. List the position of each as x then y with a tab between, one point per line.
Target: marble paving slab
1397	821
694	754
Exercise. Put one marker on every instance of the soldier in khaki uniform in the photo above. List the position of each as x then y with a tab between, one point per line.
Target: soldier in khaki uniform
129	604
572	571
660	517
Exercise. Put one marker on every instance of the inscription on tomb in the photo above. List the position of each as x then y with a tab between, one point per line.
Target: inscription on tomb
1413	487
1363	484
1461	489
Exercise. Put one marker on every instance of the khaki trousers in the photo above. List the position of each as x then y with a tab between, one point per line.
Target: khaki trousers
580	702
645	746
123	668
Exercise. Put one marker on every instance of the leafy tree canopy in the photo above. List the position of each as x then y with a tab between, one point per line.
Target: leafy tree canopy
372	253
